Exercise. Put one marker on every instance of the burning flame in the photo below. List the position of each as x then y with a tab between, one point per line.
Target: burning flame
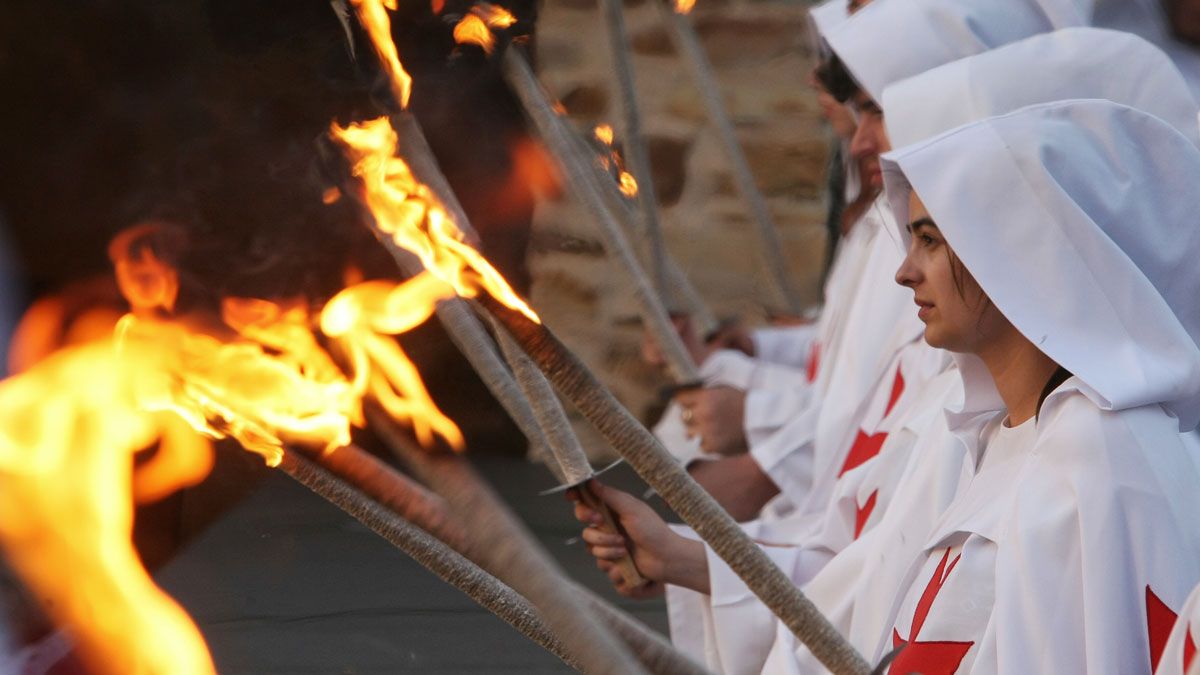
604	134
72	421
69	429
625	180
476	27
71	424
407	211
360	317
374	17
684	6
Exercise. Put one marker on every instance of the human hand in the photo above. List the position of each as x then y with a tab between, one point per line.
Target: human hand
661	555
717	416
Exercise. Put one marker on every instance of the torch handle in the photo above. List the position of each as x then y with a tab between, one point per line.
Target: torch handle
629	571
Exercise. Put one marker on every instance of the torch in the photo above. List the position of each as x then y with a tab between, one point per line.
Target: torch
687	44
425	228
406	212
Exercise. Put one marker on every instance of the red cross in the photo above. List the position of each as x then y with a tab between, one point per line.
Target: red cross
867	446
929	658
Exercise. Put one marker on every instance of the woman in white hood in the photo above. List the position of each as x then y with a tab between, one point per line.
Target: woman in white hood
1053	250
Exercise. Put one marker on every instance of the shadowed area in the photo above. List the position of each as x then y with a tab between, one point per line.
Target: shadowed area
286	583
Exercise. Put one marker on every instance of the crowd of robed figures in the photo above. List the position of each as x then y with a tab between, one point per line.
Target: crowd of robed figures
1003	477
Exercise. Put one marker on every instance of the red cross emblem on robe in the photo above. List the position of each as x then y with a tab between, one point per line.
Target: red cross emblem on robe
863	513
866	445
814	361
929	657
1159	622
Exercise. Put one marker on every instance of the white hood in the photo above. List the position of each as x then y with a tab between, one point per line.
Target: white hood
1069	64
1078	219
1148	19
890	40
828	15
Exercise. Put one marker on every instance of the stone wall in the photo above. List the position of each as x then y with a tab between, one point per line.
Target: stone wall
760	52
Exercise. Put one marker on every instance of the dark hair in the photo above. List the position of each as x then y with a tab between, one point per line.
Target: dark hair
958	272
835	77
1056	378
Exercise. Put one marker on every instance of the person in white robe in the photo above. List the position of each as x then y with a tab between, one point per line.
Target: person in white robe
1123	67
855	590
774	367
880	330
1070	310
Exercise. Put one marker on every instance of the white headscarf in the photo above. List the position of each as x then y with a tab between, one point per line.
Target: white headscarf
1078	219
1070	63
828	15
1148	19
890	40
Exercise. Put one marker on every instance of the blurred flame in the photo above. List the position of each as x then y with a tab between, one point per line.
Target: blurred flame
604	134
625	180
476	26
472	30
360	317
331	196
629	186
373	16
146	282
69	428
71	423
684	6
407	211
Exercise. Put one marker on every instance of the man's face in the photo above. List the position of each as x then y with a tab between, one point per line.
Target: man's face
870	139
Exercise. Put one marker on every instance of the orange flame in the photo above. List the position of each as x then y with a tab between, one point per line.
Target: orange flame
625	180
476	27
360	317
146	282
604	133
684	6
407	211
472	30
374	17
69	427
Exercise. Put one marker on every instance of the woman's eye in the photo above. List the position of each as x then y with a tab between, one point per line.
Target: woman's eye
926	240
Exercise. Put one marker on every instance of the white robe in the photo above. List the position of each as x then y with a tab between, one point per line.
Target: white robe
1068	548
1179	652
855	589
781	352
803	456
731	627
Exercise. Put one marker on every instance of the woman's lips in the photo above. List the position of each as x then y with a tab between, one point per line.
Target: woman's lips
925	309
875	177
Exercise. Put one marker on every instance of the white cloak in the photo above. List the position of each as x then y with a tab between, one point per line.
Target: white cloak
1179	652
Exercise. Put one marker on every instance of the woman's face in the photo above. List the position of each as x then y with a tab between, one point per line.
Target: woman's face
958	316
